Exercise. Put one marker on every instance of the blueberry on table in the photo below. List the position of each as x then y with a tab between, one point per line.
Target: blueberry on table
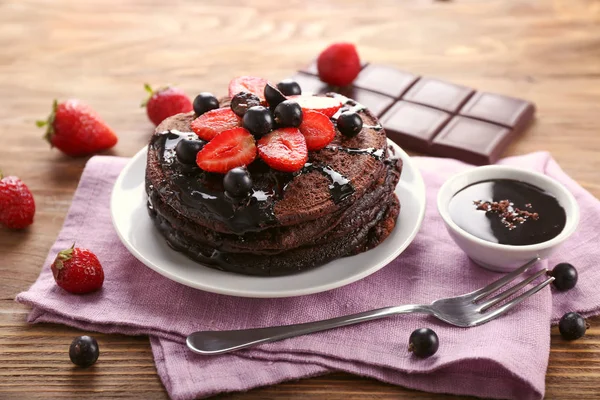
423	342
258	120
565	276
349	123
205	102
289	87
288	113
241	102
572	326
237	182
273	96
187	149
84	351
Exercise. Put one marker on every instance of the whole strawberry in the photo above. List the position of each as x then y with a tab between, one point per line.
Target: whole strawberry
77	270
17	207
338	64
76	129
166	102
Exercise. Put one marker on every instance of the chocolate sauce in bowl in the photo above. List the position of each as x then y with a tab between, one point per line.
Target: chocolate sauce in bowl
508	211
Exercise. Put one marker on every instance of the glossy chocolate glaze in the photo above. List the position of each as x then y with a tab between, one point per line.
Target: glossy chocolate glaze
204	190
523	197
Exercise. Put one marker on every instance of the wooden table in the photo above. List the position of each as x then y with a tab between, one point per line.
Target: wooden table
103	51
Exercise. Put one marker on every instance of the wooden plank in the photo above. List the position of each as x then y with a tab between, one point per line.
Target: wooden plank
102	51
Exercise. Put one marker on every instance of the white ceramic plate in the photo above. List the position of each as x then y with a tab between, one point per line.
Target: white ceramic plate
137	232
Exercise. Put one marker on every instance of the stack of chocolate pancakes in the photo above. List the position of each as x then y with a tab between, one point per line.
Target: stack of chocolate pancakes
341	203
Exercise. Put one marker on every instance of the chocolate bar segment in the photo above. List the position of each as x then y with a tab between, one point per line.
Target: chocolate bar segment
385	80
443	95
502	110
432	116
376	102
413	125
471	140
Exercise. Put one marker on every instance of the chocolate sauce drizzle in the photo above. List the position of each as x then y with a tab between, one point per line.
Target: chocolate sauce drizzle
371	151
203	193
352	106
340	186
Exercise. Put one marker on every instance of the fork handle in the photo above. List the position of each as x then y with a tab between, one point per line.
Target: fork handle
219	342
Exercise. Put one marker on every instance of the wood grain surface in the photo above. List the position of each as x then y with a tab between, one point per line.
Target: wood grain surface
103	50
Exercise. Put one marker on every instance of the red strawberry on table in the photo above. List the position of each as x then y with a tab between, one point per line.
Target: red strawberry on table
77	270
76	129
251	84
325	105
229	149
166	102
318	130
213	122
284	149
17	206
338	64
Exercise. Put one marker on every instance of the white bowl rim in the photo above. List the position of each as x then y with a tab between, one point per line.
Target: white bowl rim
571	209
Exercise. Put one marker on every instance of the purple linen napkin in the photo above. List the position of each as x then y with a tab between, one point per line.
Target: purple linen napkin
506	358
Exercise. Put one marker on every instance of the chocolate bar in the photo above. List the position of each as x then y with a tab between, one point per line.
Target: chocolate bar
433	116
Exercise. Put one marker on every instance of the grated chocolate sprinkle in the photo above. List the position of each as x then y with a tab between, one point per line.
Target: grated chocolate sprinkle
509	214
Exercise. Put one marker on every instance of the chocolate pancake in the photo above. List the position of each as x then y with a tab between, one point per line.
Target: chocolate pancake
342	202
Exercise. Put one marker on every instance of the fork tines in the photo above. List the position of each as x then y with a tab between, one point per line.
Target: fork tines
503	283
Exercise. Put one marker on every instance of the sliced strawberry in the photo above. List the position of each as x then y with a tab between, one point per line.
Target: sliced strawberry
250	84
213	122
322	104
284	149
317	128
229	149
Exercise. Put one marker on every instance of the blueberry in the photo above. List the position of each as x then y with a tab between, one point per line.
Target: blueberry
237	182
273	96
423	342
205	102
565	276
258	120
241	102
572	326
289	87
187	149
288	113
84	351
349	123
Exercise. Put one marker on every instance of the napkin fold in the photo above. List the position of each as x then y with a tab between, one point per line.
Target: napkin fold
506	358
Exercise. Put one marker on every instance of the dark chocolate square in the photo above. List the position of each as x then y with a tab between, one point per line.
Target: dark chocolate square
438	94
412	125
385	80
499	109
471	140
375	102
310	84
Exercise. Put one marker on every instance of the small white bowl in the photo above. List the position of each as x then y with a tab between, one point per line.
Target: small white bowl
503	257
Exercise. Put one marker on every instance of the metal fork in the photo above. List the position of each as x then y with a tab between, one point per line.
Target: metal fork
468	310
